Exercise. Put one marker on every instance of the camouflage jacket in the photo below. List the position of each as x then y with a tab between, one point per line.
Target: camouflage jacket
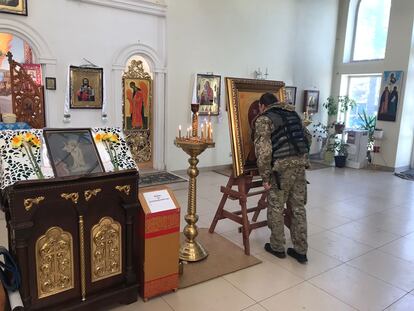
263	128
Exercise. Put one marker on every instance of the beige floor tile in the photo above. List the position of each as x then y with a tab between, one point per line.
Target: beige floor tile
256	307
314	229
257	239
263	280
402	248
395	271
305	296
337	246
393	224
325	219
357	288
155	304
215	295
317	263
374	237
404	304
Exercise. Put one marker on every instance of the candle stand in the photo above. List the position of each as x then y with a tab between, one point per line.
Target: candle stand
191	250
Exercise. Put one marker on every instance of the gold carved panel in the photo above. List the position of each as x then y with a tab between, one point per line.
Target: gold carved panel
54	262
106	243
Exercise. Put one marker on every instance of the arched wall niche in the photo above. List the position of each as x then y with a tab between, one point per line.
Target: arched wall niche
156	67
41	51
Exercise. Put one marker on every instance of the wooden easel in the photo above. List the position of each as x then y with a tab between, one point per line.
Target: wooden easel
244	184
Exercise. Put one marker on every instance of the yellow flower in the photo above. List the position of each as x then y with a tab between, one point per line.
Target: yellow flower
36	142
99	137
28	137
106	136
114	138
17	141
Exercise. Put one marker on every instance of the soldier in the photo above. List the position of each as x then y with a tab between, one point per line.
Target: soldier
282	147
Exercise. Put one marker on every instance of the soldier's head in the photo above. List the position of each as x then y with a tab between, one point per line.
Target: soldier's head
266	100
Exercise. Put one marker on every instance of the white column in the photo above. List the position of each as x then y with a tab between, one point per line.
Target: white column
158	147
115	108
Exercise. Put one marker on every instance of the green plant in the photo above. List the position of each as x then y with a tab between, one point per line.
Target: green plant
339	147
368	123
339	103
320	131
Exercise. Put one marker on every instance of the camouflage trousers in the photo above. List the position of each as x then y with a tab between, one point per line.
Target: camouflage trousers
293	194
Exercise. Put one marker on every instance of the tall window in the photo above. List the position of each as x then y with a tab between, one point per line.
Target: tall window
371	29
365	91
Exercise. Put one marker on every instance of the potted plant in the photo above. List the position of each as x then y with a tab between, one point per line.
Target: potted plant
368	123
378	134
341	153
334	106
339	127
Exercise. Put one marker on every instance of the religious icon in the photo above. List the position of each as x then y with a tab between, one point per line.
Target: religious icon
243	107
13	7
72	152
86	87
50	83
290	95
136	103
311	101
391	85
208	94
86	93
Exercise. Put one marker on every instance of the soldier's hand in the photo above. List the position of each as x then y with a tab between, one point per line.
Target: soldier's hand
267	186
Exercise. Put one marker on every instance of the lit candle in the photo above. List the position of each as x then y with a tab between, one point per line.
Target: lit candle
202	131
211	134
205	129
179	131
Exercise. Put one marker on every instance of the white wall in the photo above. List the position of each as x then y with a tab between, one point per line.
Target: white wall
294	39
398	136
314	53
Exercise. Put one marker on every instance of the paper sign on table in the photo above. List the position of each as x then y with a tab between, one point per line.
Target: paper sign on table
159	201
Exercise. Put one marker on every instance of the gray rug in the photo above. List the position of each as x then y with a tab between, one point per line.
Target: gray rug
159	178
409	175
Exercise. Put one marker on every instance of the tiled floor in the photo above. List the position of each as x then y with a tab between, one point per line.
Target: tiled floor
361	256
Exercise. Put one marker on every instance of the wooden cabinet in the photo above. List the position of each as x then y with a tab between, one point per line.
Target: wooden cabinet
74	240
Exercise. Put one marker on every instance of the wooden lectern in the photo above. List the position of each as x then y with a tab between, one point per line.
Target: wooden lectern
74	240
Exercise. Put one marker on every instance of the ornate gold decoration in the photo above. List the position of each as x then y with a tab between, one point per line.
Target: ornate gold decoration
28	203
106	252
89	193
139	140
125	189
54	262
82	257
27	96
74	197
234	87
192	250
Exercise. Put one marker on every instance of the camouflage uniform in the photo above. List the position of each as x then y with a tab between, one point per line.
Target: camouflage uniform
292	190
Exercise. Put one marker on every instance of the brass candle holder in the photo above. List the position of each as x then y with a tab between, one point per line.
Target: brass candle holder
191	250
306	120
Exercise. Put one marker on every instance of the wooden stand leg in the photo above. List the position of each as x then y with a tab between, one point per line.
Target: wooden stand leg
244	183
245	219
219	212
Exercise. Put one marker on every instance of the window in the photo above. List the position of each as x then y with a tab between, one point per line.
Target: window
365	91
371	29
